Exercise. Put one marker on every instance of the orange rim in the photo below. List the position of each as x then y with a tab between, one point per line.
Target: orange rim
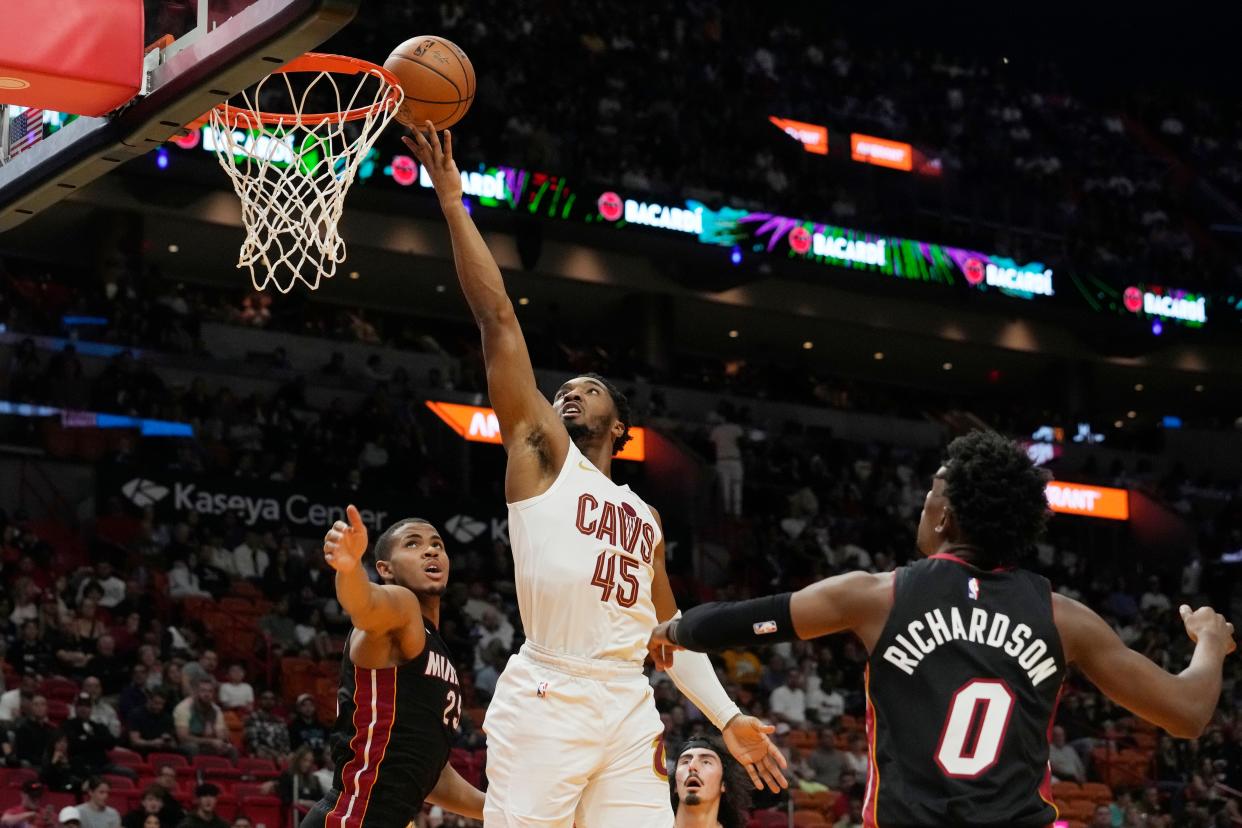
317	62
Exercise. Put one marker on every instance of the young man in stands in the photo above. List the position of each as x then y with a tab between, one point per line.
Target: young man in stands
30	812
708	787
204	813
95	812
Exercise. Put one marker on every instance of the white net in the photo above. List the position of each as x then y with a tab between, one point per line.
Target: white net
292	173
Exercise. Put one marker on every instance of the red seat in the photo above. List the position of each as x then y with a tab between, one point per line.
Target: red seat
174	759
264	811
16	777
254	764
204	762
125	756
242	790
118	783
228	774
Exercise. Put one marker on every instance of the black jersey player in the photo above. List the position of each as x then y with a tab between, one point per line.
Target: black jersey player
968	652
400	701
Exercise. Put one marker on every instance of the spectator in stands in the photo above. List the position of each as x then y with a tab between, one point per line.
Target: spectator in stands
183	583
32	736
57	772
199	723
1102	818
266	734
95	812
787	703
279	626
495	656
70	817
133	696
171	683
203	668
305	728
1154	599
109	669
166	781
854	818
725	436
31	811
1065	762
493	626
79	635
236	693
825	760
297	785
30	651
204	813
89	741
15	703
111	588
152	804
151	726
250	558
326	771
101	712
856	758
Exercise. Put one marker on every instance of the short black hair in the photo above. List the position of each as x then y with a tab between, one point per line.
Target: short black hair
997	496
622	404
735	798
383	544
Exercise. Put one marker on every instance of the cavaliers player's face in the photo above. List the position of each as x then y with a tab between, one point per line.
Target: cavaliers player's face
700	777
417	560
935	515
586	408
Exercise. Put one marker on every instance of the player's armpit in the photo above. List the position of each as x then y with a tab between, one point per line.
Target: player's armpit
453	793
1182	704
389	609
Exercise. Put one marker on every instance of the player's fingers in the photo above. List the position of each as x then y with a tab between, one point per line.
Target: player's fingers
355	518
413	146
774	753
766	728
772	776
1184	611
754	777
433	138
448	145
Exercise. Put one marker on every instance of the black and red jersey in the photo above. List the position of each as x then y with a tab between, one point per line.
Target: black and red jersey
961	691
394	729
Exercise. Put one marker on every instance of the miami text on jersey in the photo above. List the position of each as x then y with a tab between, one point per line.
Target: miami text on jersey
923	636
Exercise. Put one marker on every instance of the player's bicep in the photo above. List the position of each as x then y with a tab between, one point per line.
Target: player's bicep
520	406
842	602
1127	677
661	590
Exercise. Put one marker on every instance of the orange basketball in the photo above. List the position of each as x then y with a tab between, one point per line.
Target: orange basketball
438	81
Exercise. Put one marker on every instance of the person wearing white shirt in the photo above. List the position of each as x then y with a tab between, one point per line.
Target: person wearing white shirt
11	700
493	627
1153	598
729	469
826	704
236	692
102	713
1065	762
112	586
788	702
250	559
183	583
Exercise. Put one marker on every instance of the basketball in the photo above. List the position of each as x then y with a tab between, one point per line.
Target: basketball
437	78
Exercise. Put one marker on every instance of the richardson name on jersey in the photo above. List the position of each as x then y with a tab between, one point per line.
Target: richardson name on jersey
922	636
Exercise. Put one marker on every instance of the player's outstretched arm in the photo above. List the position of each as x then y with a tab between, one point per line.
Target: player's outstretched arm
1182	704
452	793
376	609
525	415
857	601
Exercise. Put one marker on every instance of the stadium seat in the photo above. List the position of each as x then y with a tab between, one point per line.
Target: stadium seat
1065	791
264	811
60	689
175	759
767	819
1096	792
16	777
204	762
807	819
118	783
254	764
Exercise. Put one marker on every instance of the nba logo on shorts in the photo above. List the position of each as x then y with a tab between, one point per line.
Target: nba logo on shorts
542	689
972	589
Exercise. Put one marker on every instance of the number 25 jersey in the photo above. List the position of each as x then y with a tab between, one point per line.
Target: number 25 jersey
961	690
583	553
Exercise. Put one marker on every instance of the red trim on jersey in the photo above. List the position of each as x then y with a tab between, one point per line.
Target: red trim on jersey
1045	787
949	556
659	761
871	799
375	708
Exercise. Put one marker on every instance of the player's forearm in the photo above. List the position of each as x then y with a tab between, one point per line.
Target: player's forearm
457	795
1200	685
477	271
356	595
719	625
696	679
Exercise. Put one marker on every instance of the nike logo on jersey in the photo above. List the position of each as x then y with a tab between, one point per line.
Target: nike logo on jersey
923	636
620	525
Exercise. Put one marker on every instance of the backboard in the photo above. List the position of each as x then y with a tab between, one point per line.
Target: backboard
210	50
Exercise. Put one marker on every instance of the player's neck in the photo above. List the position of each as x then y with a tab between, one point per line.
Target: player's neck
600	455
697	816
430	605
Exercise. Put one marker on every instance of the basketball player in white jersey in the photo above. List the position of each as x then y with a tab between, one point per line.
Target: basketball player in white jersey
573	733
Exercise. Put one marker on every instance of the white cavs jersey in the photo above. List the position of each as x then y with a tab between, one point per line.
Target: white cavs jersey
583	554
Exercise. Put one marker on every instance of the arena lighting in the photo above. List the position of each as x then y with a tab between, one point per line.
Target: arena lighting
813	137
478	424
161	158
93	419
868	149
1088	501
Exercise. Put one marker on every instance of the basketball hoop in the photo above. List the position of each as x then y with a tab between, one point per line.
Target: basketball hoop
292	169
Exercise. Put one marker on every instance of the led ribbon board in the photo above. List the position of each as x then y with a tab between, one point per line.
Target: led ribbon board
1088	501
479	425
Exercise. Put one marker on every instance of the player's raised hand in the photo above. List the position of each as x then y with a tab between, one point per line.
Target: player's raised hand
437	159
345	543
660	647
1207	622
747	739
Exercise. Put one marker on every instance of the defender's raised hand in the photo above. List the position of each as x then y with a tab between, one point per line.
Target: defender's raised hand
1207	622
345	543
437	159
747	739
